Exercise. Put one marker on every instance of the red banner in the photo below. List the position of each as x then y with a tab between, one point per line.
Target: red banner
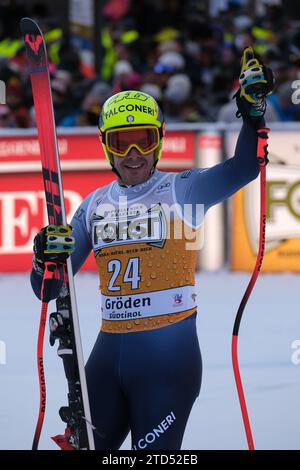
177	145
23	212
22	207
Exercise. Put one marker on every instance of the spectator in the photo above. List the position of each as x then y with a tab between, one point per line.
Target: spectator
227	112
7	119
147	44
282	102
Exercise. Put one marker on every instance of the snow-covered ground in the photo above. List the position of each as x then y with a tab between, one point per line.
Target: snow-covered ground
270	325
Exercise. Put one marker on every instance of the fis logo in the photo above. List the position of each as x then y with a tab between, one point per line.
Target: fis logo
149	227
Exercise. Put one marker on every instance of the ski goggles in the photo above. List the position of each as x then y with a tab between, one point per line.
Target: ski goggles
121	140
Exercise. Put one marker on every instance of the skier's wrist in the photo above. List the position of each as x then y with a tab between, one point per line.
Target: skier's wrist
255	121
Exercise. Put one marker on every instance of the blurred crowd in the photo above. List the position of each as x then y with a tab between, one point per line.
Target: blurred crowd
184	54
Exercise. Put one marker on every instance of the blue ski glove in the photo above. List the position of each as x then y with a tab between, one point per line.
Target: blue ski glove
53	243
256	82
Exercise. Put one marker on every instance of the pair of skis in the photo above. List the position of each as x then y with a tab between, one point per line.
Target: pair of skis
64	324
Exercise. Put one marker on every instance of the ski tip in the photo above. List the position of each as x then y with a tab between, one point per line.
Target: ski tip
34	44
29	26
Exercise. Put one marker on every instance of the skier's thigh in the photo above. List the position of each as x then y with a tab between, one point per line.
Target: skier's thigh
109	410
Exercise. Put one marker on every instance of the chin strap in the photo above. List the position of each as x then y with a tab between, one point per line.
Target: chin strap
115	171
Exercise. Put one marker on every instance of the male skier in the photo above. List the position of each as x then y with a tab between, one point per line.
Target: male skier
144	372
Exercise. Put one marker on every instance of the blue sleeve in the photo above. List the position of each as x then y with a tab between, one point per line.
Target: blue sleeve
83	247
209	186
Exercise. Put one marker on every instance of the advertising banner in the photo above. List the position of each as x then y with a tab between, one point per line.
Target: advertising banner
282	249
211	256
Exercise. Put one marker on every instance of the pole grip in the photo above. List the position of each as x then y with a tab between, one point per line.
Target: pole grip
262	146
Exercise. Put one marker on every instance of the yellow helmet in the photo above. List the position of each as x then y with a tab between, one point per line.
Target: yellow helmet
130	109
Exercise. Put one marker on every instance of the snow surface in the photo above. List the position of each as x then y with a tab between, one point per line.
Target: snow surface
271	381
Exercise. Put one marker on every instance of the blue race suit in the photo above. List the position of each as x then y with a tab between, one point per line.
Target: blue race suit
144	372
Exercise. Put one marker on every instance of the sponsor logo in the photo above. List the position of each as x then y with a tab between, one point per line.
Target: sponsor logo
115	307
138	188
124	315
130	118
42	384
18	223
129	107
177	300
155	433
163	188
18	148
147	227
137	95
34	47
283	207
34	43
186	174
